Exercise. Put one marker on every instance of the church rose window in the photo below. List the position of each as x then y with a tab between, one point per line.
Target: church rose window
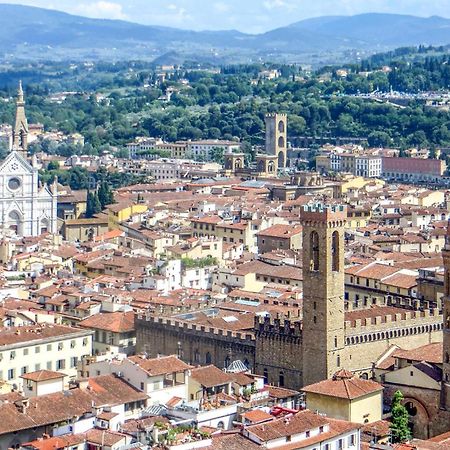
14	183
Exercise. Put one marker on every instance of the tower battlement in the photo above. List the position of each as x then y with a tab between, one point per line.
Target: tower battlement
319	212
280	325
273	115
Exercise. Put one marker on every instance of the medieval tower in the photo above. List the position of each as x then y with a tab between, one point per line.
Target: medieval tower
276	137
20	131
446	330
323	291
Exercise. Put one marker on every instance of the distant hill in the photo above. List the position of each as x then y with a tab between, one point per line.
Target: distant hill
31	32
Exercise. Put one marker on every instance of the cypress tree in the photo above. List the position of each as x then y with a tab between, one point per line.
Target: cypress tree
400	419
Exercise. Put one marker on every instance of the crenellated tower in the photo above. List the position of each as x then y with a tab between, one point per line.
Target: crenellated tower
323	291
445	397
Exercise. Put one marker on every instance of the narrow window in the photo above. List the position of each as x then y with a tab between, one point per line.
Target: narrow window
314	251
335	251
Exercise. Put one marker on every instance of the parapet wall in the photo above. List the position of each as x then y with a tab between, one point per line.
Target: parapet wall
393	326
182	325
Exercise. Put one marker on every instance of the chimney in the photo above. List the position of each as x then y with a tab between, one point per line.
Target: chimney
22	405
83	384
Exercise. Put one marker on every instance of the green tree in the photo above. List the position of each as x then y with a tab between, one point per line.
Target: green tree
400	429
93	205
217	155
105	195
53	165
379	139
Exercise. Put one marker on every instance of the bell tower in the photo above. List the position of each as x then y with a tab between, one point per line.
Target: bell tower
276	137
445	391
323	334
20	132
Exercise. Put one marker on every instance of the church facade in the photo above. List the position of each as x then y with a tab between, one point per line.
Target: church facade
27	208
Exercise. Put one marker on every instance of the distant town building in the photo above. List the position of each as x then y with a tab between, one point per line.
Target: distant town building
413	169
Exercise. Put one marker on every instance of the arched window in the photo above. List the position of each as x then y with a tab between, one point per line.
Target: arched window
208	358
314	250
335	251
266	375
44	226
447	358
15	222
281	126
281	379
197	356
338	361
227	361
281	142
247	363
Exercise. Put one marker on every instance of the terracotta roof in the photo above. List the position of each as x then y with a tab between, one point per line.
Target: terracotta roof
160	366
379	428
344	386
256	416
431	353
209	376
107	390
116	322
299	423
279	392
18	335
232	441
42	375
281	231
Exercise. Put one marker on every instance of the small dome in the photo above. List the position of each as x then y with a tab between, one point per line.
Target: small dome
342	375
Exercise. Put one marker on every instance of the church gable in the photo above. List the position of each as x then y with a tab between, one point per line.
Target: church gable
15	163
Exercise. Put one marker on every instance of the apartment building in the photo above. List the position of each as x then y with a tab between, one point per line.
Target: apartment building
37	347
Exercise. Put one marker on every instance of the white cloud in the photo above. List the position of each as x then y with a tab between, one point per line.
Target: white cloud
272	4
221	7
101	9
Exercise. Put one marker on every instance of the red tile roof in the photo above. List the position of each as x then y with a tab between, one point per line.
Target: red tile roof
42	375
117	322
344	385
160	366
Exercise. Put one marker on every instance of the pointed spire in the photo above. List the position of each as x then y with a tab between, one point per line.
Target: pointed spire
20	93
20	131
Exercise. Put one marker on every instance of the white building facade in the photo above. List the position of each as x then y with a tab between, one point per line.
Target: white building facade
26	208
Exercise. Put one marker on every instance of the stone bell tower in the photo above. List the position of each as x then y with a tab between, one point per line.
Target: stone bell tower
445	391
20	131
276	137
323	333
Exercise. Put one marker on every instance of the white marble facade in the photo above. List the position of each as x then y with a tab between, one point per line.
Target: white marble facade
26	207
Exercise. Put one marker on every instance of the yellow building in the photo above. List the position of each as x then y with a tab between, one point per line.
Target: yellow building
431	198
358	217
38	261
346	397
197	249
122	212
323	163
351	183
82	230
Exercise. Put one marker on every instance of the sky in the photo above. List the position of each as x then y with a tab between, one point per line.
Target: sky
251	16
